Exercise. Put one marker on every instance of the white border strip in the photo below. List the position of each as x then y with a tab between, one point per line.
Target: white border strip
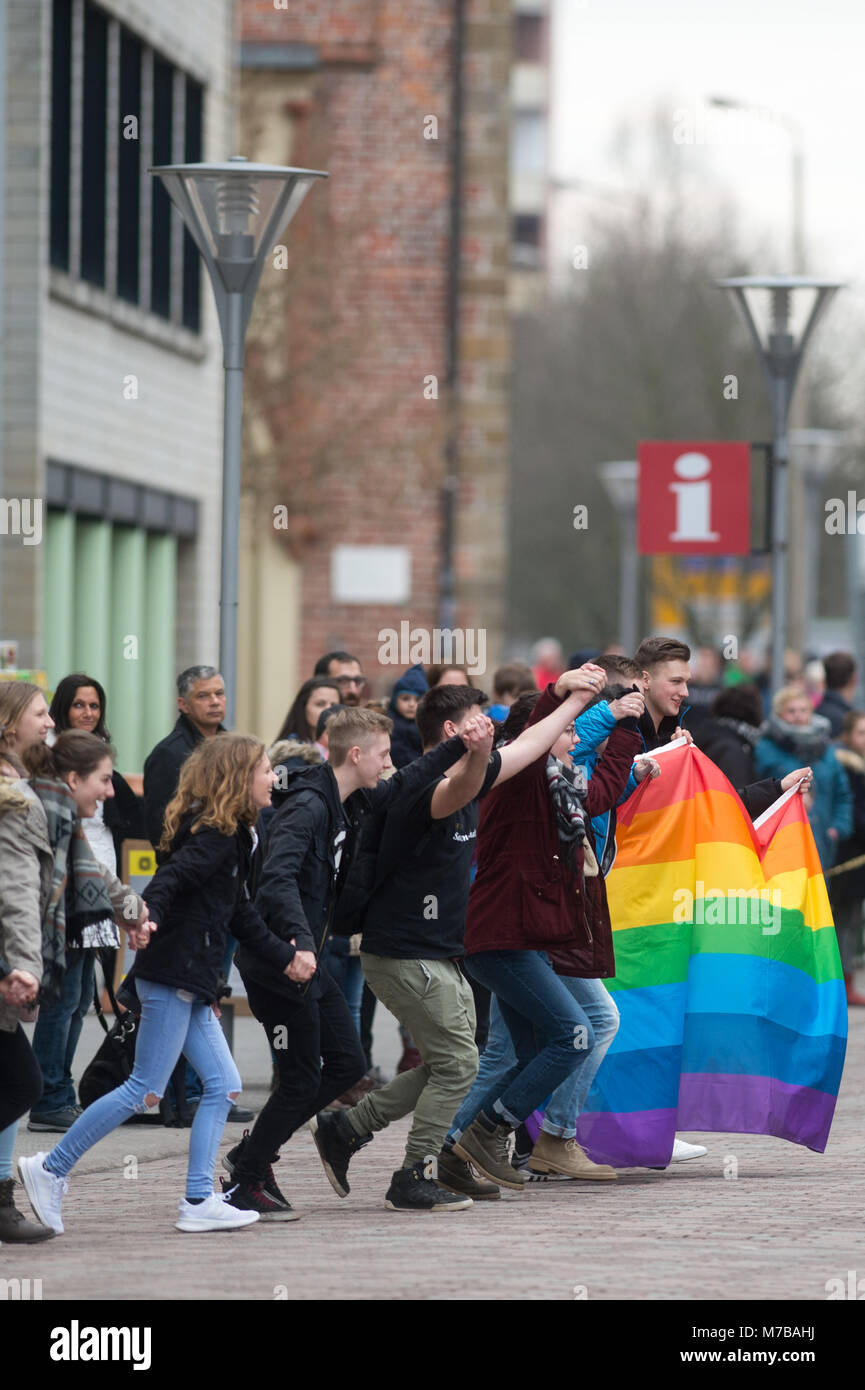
776	805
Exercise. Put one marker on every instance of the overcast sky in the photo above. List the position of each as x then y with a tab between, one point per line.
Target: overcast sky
616	60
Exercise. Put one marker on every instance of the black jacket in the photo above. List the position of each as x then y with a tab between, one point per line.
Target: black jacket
196	897
833	707
729	750
124	815
162	772
851	884
298	886
757	797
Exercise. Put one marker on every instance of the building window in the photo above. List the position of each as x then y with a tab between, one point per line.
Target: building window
118	105
529	38
93	131
527	235
129	168
529	149
61	123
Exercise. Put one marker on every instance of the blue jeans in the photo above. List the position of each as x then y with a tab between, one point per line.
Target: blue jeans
567	1102
346	970
58	1029
550	1031
172	1021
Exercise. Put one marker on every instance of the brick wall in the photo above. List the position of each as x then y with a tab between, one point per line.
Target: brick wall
350	443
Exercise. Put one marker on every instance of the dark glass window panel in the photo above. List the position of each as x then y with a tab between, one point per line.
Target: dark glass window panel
160	221
129	168
191	256
529	42
61	112
93	135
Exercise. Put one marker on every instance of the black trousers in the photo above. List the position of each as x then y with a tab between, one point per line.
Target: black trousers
20	1077
318	1057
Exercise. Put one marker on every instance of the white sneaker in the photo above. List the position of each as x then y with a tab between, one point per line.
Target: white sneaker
682	1151
213	1214
45	1190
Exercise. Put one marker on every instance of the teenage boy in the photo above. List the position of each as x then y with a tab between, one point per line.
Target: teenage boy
664	664
413	937
307	1020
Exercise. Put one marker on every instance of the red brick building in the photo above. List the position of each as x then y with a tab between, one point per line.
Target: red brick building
376	405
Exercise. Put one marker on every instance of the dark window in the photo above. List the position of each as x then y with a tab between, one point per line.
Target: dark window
93	132
61	108
160	223
526	228
529	38
191	257
129	168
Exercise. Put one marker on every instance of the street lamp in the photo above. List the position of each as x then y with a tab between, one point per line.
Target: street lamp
234	212
765	303
797	171
620	481
815	453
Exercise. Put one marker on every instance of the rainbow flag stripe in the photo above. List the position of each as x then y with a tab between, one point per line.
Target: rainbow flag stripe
728	979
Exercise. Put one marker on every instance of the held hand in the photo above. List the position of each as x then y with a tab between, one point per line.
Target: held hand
588	677
302	967
628	706
646	767
685	734
19	988
478	735
799	773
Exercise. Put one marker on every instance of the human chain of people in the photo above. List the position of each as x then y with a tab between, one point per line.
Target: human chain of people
501	872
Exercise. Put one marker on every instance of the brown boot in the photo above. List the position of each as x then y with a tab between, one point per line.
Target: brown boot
552	1155
487	1151
457	1176
15	1229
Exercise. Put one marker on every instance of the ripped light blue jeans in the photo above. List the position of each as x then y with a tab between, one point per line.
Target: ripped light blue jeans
172	1021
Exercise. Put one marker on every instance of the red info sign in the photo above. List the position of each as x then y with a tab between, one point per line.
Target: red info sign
694	498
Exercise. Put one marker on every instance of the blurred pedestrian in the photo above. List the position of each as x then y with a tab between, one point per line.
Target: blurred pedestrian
509	683
842	678
732	732
405	741
346	674
315	695
201	702
794	735
548	662
847	889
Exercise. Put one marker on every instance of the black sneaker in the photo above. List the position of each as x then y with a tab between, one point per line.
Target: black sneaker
53	1121
232	1161
337	1143
411	1191
253	1197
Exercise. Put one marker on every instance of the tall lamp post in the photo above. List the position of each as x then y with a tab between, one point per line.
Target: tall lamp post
234	213
815	453
781	352
620	481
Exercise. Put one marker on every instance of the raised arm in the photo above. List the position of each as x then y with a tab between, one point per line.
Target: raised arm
454	792
573	690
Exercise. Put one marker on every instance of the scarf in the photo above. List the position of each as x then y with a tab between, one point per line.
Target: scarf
76	874
808	742
569	815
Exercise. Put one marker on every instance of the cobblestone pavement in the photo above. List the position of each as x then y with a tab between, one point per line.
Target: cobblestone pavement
788	1222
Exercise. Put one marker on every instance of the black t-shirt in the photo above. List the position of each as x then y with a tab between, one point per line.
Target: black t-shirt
419	912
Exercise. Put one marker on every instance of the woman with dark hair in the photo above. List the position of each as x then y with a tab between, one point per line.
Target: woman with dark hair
79	703
732	732
314	695
445	674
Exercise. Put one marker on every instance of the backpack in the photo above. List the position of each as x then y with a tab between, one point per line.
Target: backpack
115	1059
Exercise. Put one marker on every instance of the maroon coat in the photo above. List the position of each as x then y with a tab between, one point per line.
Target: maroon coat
524	898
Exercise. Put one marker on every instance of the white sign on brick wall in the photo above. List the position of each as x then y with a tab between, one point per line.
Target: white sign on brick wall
370	574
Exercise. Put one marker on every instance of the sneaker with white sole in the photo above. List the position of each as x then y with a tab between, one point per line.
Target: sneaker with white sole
45	1190
683	1151
215	1213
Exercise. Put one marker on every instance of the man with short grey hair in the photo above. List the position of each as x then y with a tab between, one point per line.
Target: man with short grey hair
201	702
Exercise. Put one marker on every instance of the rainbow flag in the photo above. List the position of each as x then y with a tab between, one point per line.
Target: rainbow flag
728	979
